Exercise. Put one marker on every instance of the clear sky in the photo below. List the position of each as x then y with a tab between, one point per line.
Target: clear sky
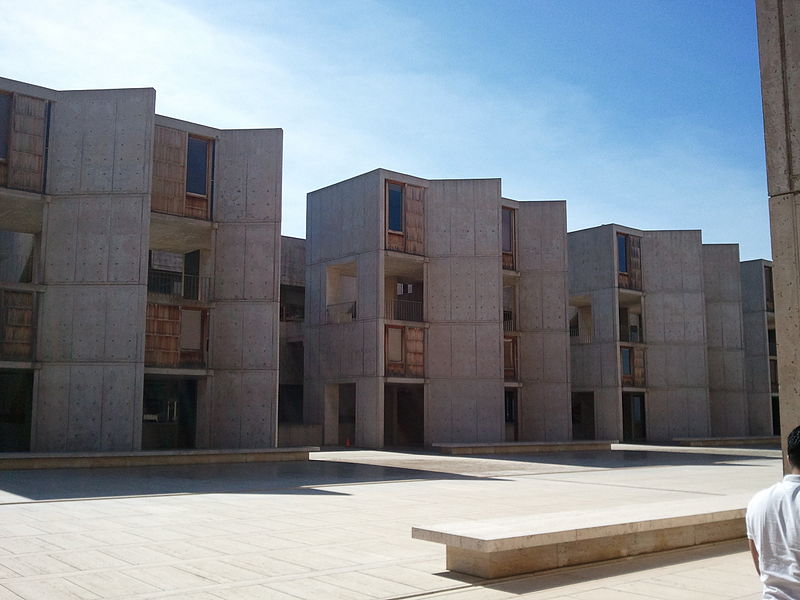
640	112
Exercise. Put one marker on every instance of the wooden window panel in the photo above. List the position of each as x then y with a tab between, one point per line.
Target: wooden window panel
27	143
17	324
162	335
415	219
415	351
169	171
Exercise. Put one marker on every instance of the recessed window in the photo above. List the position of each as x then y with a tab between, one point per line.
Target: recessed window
627	361
508	229
197	166
395	207
5	124
622	253
394	344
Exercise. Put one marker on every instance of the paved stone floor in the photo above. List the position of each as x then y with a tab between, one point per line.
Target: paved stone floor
339	526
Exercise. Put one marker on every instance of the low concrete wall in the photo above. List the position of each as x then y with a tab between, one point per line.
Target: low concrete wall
138	459
523	447
767	440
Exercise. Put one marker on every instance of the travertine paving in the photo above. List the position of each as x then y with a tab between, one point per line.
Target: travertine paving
339	526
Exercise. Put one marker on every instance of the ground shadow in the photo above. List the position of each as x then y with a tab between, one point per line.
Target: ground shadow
291	477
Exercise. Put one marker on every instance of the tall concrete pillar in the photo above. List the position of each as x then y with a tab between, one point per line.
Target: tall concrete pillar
779	49
95	240
244	323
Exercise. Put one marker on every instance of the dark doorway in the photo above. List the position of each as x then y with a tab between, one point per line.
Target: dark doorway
404	415
776	416
583	416
347	414
633	418
511	410
169	414
16	399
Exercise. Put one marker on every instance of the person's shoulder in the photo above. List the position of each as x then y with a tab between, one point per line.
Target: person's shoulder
760	498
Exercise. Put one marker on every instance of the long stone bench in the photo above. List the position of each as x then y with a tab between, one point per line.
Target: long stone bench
522	447
76	460
500	547
767	440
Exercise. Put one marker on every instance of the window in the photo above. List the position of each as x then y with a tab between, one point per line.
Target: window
405	289
626	355
622	253
508	230
768	289
5	124
394	344
395	207
197	156
511	406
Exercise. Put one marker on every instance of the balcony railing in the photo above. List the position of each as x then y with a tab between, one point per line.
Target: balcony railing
404	310
509	321
292	312
344	312
176	285
17	324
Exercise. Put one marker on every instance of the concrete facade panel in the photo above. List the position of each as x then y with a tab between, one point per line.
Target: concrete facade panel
439	356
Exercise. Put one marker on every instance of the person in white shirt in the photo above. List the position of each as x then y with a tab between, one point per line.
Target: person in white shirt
773	530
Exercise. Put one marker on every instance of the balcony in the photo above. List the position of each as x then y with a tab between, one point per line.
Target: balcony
292	313
344	312
509	321
176	286
510	359
17	325
404	310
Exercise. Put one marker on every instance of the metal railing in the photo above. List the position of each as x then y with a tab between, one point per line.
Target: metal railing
509	321
404	310
176	285
344	312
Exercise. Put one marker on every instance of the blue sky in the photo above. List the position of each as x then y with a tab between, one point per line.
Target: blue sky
644	113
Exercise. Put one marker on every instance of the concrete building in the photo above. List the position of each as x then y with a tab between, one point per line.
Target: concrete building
761	349
139	293
778	39
435	312
656	335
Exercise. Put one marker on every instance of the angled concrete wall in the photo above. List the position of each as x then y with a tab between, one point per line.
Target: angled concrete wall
244	323
595	365
725	340
674	324
94	239
344	225
779	51
463	296
756	344
545	406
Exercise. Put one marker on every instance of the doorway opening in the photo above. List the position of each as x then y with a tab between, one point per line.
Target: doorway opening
169	414
404	415
511	410
583	416
633	417
347	414
16	400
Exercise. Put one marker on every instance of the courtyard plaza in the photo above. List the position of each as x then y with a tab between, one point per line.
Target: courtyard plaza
339	525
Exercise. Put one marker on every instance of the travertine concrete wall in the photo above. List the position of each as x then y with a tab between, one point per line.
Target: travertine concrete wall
779	50
293	261
463	296
95	237
756	344
544	404
345	225
595	365
724	336
244	327
674	325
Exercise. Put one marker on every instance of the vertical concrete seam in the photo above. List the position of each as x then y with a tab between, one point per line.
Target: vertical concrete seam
787	116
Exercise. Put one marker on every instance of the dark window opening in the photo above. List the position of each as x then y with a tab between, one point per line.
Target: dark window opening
395	207
16	400
772	342
776	415
634	427
622	253
197	166
768	289
627	361
508	229
169	415
5	124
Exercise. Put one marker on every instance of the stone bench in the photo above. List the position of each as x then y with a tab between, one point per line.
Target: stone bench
77	460
522	447
501	547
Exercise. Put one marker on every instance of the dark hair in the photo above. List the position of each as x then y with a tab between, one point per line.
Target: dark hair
793	446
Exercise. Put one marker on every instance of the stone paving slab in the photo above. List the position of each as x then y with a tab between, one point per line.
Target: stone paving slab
339	526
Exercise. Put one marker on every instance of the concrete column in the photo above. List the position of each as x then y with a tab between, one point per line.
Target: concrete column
95	238
779	50
247	209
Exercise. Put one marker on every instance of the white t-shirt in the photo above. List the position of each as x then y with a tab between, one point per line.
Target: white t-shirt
773	519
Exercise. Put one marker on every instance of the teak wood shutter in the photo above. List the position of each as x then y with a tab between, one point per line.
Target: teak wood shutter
27	143
415	219
163	332
635	261
415	352
169	170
